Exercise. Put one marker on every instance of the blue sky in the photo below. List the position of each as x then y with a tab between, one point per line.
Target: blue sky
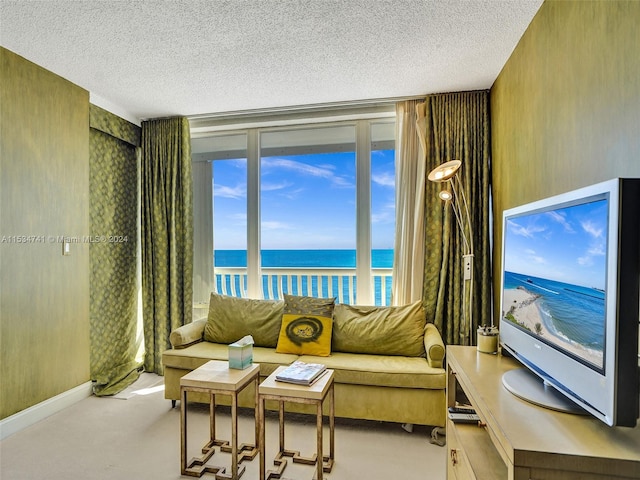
567	245
307	202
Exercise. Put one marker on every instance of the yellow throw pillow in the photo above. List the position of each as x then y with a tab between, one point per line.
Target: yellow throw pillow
307	324
305	335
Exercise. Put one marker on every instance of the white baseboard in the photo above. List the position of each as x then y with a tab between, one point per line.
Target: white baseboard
40	411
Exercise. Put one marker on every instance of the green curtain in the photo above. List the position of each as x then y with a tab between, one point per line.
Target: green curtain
167	234
458	128
113	206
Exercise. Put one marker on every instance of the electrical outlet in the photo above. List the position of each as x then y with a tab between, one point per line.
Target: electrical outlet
467	266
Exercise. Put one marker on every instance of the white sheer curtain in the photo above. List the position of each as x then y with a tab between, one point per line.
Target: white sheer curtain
408	264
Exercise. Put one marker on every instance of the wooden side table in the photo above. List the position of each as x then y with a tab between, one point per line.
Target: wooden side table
283	392
216	378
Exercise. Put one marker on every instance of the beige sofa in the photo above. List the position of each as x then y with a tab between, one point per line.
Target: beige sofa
388	361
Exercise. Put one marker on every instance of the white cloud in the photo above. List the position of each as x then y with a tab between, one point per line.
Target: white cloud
320	171
533	257
381	217
275	225
292	194
239	191
384	179
592	229
386	214
558	218
585	261
597	246
528	232
328	166
537	259
270	187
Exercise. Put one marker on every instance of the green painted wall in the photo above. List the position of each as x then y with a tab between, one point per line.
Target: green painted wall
565	110
44	179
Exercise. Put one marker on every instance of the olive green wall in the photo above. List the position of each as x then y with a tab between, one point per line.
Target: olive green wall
44	179
565	110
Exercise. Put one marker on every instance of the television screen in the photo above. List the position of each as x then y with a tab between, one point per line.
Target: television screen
555	277
570	300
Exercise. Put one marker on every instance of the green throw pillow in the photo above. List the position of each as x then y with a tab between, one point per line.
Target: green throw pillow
306	326
231	318
379	330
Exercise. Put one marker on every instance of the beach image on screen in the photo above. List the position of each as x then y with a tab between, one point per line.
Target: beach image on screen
555	277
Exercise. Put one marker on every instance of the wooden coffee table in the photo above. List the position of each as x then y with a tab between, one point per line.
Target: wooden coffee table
283	392
216	378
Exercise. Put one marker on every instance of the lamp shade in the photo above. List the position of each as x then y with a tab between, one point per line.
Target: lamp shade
444	172
445	195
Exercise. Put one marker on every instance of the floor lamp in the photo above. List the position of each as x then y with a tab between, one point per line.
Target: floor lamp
453	194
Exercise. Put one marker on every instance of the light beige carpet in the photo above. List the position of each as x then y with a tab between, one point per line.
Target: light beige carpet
107	438
145	384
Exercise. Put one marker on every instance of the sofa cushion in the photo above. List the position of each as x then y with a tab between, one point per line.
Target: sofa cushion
309	305
381	370
231	318
379	330
306	326
196	355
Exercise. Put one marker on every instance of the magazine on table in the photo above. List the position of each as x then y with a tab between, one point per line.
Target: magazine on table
301	373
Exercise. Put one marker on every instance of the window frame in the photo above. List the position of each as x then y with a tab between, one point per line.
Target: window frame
203	189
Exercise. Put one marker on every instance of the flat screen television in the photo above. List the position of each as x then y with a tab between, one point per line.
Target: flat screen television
570	300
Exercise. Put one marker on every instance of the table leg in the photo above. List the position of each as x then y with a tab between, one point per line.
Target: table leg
262	436
246	451
332	425
319	462
281	424
256	413
183	431
212	418
234	436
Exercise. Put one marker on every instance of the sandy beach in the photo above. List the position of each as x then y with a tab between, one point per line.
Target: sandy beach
522	304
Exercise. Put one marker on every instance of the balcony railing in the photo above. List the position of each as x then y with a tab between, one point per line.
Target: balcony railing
315	282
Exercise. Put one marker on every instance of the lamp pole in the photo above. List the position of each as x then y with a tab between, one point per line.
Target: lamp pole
447	173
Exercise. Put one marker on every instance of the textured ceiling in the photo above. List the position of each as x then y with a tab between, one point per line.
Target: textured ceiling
189	57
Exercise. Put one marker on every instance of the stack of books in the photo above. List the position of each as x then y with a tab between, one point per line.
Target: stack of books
301	373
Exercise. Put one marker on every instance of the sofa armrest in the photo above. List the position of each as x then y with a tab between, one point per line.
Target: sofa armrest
188	334
434	346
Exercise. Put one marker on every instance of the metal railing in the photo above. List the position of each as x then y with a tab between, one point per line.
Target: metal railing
314	282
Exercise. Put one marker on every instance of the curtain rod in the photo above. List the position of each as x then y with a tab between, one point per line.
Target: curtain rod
291	115
316	107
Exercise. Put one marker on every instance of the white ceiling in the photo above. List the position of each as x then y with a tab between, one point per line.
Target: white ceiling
152	58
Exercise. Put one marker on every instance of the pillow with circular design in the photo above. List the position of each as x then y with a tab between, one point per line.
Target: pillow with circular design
307	324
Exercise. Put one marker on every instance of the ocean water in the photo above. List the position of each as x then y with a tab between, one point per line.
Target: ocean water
303	258
572	312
